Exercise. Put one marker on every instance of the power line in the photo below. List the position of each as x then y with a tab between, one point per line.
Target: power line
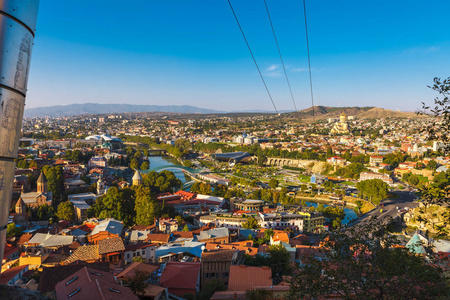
251	53
309	59
279	52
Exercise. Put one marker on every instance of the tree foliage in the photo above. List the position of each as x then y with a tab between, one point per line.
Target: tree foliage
278	259
373	189
363	262
117	204
66	211
146	207
55	184
251	223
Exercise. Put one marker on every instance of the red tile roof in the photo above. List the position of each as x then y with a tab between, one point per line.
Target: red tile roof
243	278
9	274
137	266
9	250
138	246
52	275
158	238
110	245
180	275
92	284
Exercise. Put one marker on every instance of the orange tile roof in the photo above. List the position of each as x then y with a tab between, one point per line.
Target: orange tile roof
92	284
232	246
180	275
158	238
137	266
244	278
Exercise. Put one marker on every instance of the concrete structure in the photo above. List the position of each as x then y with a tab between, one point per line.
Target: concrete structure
369	175
281	221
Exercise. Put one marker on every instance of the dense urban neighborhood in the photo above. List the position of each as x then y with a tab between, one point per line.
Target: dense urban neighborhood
233	206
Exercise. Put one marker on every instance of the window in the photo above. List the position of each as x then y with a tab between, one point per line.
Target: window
225	274
71	280
74	292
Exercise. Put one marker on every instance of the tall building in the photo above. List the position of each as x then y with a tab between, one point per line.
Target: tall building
100	186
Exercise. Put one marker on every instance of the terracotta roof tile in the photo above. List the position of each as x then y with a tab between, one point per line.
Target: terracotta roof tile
52	275
158	238
92	284
137	266
243	278
218	255
9	274
110	245
138	246
84	253
183	234
180	275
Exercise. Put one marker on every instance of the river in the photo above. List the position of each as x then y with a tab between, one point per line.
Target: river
160	161
350	214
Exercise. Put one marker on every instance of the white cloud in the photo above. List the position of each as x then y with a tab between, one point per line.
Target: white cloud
296	70
272	68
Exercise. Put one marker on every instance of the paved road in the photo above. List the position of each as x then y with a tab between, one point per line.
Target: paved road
389	208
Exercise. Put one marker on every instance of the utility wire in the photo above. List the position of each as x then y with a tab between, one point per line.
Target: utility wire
251	53
279	52
309	60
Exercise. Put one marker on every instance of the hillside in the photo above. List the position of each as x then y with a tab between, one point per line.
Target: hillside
368	112
96	108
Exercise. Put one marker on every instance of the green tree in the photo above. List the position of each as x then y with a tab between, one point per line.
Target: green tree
187	163
137	282
138	259
13	229
134	164
432	165
66	211
185	228
251	223
145	165
363	262
373	189
55	178
273	183
180	220
209	288
146	207
22	164
33	164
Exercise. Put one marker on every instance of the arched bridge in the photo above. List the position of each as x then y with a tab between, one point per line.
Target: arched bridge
159	169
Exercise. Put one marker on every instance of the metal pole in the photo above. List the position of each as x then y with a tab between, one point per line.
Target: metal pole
17	27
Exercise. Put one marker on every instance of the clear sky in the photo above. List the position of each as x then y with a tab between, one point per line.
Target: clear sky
363	53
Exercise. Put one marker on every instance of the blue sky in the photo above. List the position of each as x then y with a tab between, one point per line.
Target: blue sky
363	53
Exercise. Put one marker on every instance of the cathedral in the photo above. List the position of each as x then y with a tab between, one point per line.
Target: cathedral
340	127
40	197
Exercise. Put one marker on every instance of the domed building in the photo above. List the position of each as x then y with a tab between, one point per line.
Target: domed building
340	127
137	178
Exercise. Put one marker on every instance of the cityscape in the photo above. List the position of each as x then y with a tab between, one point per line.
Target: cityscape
212	200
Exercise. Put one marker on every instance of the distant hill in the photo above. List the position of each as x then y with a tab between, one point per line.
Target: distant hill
96	108
367	112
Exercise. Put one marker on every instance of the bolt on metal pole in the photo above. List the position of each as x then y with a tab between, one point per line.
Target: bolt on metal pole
17	28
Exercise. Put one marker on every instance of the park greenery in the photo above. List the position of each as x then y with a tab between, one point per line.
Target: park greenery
65	211
375	190
137	205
